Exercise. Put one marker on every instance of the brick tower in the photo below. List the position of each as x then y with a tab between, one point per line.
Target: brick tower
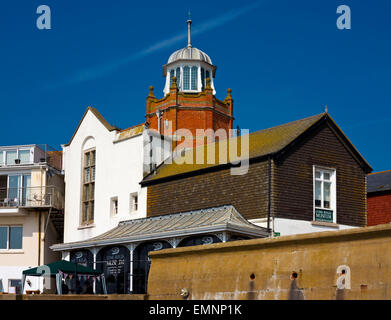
189	100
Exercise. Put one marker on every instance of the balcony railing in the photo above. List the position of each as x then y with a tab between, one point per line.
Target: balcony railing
31	197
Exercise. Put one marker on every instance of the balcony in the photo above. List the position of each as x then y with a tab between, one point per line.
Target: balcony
31	197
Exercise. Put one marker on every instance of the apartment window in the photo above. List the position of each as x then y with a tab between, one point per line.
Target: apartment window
15	190
114	206
324	195
24	156
11	156
11	237
88	196
133	202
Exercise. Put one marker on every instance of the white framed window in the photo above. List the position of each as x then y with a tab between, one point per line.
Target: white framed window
172	75
194	78
114	206
190	78
11	237
16	156
325	194
88	186
186	78
133	202
178	77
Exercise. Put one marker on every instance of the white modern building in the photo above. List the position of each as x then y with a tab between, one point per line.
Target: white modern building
31	216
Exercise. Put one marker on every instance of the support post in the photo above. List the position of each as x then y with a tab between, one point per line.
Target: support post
131	248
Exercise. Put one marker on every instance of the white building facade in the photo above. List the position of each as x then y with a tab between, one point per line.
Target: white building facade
103	166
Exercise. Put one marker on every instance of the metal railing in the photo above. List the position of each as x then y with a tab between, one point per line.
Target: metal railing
31	197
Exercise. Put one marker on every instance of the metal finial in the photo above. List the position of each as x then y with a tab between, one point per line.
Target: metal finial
326	109
189	31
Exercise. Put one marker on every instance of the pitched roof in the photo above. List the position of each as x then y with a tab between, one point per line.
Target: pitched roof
379	181
261	143
99	117
218	219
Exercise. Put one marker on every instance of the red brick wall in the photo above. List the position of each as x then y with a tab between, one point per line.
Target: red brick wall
191	111
379	209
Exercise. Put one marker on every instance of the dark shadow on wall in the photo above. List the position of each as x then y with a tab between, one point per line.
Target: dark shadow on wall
295	293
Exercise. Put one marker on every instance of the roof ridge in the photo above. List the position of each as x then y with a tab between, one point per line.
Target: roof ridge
289	123
166	216
385	171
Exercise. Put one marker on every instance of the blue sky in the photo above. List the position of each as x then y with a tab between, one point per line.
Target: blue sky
284	60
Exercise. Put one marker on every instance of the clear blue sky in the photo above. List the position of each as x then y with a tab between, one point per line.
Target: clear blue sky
284	60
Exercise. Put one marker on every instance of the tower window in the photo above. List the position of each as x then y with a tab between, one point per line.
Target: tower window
172	75
178	77
186	78
194	78
207	74
203	78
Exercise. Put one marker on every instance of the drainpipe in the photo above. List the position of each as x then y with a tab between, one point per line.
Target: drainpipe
158	120
150	154
269	195
39	238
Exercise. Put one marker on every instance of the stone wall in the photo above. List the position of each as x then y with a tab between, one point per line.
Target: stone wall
263	268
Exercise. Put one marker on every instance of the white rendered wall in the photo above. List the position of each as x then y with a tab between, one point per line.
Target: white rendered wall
15	273
291	226
119	169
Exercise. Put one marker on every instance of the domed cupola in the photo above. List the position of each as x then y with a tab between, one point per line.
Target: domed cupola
191	67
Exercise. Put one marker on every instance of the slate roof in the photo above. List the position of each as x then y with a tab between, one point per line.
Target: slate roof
379	181
204	221
261	143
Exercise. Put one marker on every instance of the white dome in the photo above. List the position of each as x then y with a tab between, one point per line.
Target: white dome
189	53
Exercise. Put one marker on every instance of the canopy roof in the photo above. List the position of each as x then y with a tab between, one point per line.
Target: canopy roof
204	221
63	266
